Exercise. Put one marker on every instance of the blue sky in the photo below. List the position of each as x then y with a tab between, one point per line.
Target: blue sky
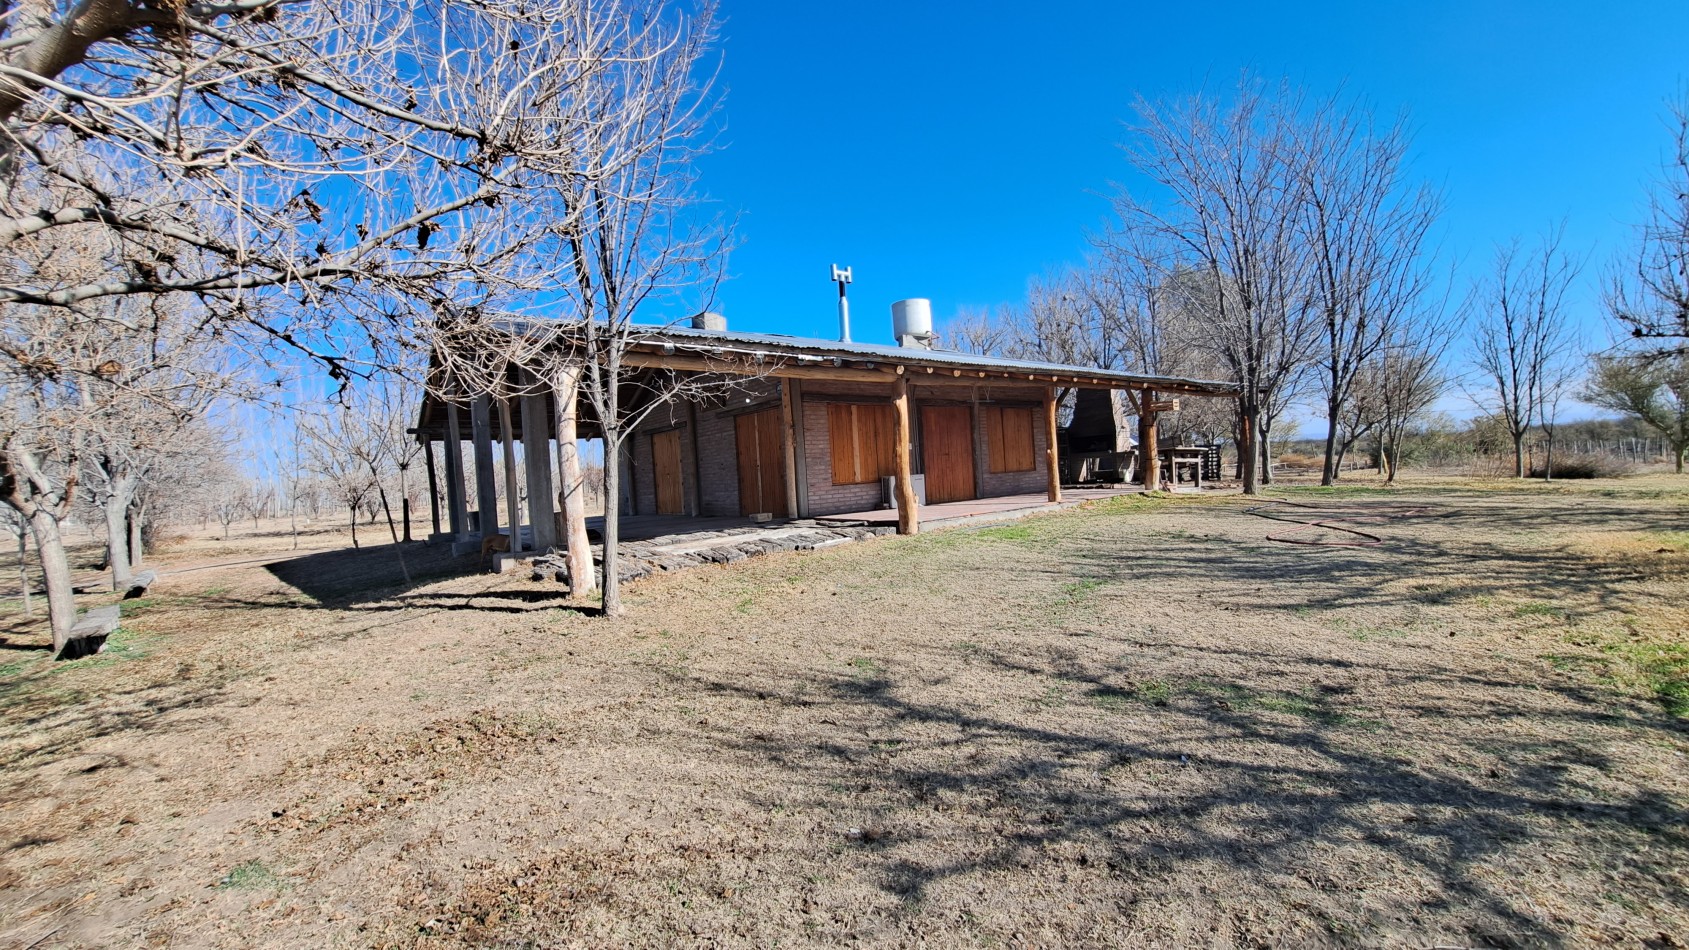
954	153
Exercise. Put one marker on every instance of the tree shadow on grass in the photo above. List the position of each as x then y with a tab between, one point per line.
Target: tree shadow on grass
352	576
1283	781
1252	757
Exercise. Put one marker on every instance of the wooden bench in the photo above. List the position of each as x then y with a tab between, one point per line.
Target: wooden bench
88	636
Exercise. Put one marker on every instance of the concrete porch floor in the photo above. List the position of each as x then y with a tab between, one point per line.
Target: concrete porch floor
660	532
1001	508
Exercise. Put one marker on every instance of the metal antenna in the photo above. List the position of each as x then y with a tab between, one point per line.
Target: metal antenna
842	277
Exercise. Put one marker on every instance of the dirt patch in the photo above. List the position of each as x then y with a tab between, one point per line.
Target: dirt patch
1140	723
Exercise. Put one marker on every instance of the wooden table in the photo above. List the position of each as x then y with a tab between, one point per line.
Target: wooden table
1188	457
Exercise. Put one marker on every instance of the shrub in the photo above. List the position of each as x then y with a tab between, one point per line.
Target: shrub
1582	465
1298	460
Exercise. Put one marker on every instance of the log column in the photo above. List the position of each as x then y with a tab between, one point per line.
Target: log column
788	414
433	483
908	513
1149	453
486	491
456	513
536	458
512	490
1050	451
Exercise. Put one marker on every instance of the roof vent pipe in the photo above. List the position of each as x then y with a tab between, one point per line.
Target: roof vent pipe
911	323
841	276
709	321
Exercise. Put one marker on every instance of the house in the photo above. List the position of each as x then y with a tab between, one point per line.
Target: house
791	427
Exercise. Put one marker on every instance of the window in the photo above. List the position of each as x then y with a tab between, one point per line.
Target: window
864	442
1008	439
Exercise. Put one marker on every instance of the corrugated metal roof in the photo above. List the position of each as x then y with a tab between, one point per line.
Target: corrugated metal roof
775	344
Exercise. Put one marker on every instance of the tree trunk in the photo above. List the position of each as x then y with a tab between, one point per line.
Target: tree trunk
23	572
572	494
1328	475
1248	456
1519	455
612	522
117	540
354	526
55	572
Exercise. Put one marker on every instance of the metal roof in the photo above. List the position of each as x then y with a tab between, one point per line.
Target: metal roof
809	349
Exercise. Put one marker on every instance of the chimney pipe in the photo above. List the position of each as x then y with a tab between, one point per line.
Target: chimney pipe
842	277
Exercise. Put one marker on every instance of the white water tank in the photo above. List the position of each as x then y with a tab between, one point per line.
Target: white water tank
911	322
709	321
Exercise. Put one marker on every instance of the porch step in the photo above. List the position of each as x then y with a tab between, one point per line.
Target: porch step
639	559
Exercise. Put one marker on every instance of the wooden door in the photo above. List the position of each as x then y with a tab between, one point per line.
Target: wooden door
665	464
947	453
762	463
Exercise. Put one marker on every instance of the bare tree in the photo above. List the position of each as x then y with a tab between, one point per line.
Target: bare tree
321	175
19	529
1523	337
1649	293
1230	212
631	243
976	331
1365	228
165	372
1654	391
181	483
338	452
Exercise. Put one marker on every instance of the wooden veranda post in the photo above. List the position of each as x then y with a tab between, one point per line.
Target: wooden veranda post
1149	453
788	416
433	483
1051	461
536	462
486	492
572	493
457	511
908	511
512	494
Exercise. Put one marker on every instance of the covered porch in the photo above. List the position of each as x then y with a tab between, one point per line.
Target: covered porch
1002	508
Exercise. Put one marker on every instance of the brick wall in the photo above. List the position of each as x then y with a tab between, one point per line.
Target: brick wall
717	462
992	484
827	498
717	451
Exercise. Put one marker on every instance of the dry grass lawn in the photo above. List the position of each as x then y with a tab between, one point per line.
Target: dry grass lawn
1138	724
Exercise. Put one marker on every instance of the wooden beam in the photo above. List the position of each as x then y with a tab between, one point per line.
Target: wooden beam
1050	451
908	513
700	364
788	416
688	363
512	494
